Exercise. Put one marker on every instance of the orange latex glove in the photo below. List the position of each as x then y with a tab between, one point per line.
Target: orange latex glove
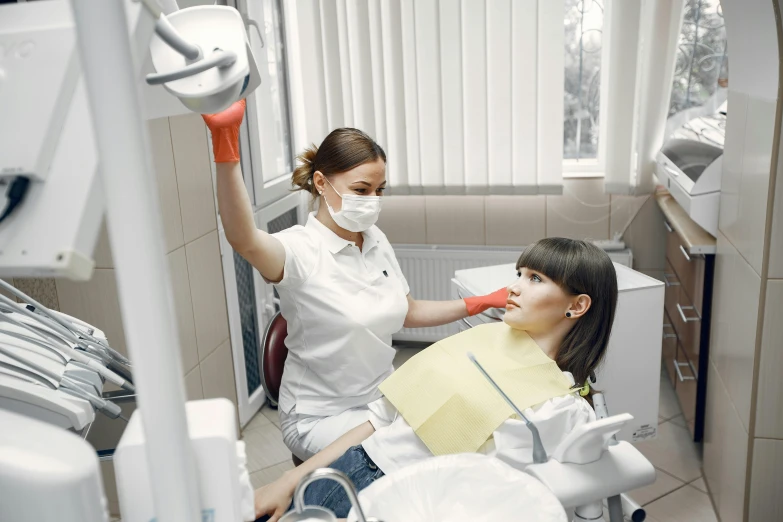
478	304
224	127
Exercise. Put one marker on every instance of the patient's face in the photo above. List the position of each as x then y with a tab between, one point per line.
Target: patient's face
535	302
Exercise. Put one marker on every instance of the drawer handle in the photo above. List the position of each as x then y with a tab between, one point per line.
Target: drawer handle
668	226
667	282
682	249
669	336
682	309
680	376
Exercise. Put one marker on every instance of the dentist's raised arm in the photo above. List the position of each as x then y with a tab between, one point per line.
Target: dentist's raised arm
261	250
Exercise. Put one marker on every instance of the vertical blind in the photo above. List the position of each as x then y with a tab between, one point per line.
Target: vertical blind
465	96
642	49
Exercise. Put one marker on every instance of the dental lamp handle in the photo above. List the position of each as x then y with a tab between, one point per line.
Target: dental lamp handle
219	58
539	453
169	34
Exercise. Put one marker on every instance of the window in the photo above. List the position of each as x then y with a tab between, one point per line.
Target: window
266	140
584	20
274	41
702	67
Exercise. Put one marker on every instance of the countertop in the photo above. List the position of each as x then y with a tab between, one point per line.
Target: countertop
696	239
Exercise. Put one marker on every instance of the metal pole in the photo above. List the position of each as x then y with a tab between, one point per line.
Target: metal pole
136	236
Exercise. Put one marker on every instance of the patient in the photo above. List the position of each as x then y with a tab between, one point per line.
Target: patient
565	300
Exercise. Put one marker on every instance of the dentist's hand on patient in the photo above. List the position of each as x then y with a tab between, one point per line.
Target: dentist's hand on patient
478	304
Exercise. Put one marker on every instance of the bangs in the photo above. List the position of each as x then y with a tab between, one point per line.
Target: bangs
556	258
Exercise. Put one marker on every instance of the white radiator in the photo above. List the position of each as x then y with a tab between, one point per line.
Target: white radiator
429	269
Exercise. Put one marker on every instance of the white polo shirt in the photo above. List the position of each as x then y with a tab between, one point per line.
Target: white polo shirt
342	306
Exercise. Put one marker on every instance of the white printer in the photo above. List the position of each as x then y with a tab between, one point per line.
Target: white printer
630	375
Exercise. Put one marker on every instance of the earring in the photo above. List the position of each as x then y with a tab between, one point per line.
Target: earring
568	314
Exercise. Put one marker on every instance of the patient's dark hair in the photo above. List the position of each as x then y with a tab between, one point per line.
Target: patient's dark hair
579	267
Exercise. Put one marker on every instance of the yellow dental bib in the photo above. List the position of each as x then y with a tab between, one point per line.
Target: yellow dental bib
450	405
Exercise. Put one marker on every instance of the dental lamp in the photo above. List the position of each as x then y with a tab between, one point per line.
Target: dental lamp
48	161
203	57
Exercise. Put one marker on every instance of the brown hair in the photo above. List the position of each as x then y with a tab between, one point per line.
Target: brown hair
579	267
342	150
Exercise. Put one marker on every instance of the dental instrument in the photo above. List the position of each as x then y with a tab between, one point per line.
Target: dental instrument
68	385
60	319
75	354
539	453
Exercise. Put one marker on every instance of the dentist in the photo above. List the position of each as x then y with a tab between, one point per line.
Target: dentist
341	289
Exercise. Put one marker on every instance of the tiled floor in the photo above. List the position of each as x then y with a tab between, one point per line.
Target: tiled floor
678	495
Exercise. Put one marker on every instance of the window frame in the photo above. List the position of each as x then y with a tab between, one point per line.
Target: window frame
596	168
264	192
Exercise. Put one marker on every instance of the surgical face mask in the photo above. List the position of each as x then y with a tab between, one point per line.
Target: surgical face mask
358	213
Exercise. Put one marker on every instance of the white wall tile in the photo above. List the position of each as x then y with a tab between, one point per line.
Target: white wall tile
205	272
217	374
193	387
97	302
183	309
776	241
582	212
766	483
725	450
403	219
769	414
515	220
163	160
752	31
455	220
734	321
646	234
194	175
754	187
733	153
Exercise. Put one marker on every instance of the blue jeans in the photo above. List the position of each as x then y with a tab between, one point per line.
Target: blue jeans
358	466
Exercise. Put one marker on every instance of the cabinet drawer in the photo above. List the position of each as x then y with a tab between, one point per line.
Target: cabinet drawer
687	325
669	347
672	287
688	268
686	384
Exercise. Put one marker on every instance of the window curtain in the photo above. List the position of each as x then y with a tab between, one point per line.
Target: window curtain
643	36
465	96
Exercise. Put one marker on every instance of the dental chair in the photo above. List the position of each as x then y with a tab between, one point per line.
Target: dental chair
273	356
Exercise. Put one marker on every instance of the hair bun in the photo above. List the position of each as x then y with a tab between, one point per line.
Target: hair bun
303	173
